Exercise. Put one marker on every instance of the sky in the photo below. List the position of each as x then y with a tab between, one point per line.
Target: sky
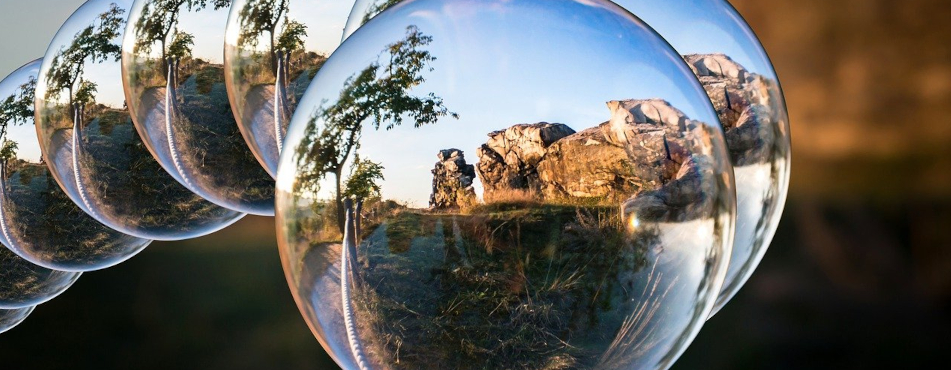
26	41
324	19
690	26
501	63
703	26
23	134
107	75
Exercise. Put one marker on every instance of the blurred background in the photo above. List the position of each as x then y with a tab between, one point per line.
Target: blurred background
858	276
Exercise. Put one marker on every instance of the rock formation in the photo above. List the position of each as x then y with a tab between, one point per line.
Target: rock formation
745	104
510	158
452	180
648	155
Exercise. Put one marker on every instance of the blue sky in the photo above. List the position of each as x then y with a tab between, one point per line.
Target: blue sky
503	62
703	26
23	134
106	75
324	19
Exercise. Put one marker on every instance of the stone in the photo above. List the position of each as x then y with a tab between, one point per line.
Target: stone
510	157
452	181
639	149
745	104
715	65
649	157
688	196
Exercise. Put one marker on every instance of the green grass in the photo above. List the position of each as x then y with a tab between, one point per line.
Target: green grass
504	286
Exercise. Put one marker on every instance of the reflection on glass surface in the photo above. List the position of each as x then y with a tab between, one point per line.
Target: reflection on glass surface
498	184
37	219
12	318
174	80
723	52
91	145
23	284
273	49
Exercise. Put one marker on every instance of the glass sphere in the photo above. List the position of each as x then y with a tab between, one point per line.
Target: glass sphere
38	221
91	145
23	284
174	80
736	73
273	49
12	318
505	184
734	69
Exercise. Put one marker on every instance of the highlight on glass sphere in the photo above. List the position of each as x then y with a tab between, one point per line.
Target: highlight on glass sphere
11	318
273	49
90	143
734	69
174	80
23	284
38	221
499	184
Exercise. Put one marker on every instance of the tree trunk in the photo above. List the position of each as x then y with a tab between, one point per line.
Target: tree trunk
273	54
341	212
164	59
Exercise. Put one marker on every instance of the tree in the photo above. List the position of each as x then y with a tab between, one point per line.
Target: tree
377	8
158	21
86	92
378	94
260	16
292	37
18	107
93	44
15	109
181	46
364	179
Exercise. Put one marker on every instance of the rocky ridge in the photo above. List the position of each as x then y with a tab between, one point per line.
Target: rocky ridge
744	103
648	149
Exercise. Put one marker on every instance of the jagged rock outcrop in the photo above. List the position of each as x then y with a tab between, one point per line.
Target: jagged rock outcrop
640	149
650	156
745	104
510	158
689	195
452	180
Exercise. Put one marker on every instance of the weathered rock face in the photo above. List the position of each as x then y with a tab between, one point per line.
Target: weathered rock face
649	156
745	104
640	149
452	181
688	196
510	158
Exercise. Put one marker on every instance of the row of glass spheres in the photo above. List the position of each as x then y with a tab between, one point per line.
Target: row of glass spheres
618	190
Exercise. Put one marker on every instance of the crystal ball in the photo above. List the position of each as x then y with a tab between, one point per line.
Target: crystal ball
23	284
91	145
505	184
38	221
12	318
736	73
174	79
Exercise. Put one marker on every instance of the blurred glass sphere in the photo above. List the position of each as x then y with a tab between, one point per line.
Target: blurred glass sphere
12	318
23	284
273	49
91	145
174	79
505	184
734	69
38	221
